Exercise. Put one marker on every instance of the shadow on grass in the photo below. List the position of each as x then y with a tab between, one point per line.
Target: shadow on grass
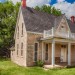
4	59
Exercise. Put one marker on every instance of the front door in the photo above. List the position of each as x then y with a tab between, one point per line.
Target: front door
63	53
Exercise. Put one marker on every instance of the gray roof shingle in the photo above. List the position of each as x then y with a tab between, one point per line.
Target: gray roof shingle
37	21
71	25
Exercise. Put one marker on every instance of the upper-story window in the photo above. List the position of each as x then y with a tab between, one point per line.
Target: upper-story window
22	29
21	49
18	32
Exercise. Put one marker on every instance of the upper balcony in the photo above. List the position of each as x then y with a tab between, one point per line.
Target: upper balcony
53	33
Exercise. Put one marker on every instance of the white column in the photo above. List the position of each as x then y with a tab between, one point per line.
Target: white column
69	53
69	34
42	51
52	31
53	53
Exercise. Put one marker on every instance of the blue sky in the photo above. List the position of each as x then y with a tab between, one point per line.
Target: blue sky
55	1
2	0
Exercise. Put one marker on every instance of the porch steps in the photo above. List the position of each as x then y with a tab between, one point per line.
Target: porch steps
53	67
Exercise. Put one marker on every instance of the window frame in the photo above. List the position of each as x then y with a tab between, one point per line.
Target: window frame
46	53
17	49
18	32
36	51
22	30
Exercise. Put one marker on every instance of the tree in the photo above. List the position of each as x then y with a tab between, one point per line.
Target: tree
8	17
48	9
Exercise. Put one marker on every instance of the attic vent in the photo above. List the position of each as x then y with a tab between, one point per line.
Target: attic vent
30	10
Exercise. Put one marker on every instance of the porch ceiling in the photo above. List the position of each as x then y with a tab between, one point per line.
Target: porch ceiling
60	41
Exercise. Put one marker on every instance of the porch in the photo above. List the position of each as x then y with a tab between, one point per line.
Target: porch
58	52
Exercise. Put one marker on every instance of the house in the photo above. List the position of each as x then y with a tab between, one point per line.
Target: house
45	37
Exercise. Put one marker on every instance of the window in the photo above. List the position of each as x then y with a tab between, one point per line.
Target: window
62	26
18	32
63	29
21	49
46	53
17	48
35	51
22	29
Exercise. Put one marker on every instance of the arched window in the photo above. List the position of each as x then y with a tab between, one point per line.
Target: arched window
22	29
18	32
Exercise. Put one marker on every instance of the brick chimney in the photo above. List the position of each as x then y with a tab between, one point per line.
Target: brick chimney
73	19
23	3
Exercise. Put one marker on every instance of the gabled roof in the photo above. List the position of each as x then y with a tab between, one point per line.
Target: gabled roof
37	21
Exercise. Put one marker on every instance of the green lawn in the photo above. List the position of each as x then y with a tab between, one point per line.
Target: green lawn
9	68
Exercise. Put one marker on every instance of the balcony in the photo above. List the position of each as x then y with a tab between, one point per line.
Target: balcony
53	33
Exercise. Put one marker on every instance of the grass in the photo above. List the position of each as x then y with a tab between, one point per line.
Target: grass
9	68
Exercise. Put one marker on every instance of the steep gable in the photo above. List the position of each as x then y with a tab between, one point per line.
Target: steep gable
20	20
63	26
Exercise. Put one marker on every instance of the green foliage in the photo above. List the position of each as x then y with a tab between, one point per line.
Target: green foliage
8	17
49	9
37	8
39	63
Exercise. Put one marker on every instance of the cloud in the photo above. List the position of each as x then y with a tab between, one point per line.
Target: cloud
14	1
67	8
33	3
60	0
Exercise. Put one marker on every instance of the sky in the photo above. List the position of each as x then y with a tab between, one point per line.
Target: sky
66	6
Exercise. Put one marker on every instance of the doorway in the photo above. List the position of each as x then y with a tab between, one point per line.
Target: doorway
63	53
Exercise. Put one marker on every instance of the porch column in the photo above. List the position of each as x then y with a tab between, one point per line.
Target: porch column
42	51
69	53
53	53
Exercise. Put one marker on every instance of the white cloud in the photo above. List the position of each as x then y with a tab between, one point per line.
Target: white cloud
67	8
14	1
33	3
60	0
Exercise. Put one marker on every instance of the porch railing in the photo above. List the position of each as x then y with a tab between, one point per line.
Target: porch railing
51	33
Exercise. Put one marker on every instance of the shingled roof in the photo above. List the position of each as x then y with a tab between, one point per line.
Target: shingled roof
71	25
37	21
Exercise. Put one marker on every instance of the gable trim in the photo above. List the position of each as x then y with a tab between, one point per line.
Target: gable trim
17	23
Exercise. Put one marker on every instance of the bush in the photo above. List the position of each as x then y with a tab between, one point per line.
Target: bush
40	63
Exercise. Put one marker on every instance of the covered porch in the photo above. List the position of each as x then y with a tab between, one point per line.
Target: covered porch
58	52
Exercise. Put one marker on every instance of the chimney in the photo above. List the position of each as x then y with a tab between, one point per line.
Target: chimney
73	19
23	3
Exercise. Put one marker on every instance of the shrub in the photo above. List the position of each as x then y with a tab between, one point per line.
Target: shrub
40	63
